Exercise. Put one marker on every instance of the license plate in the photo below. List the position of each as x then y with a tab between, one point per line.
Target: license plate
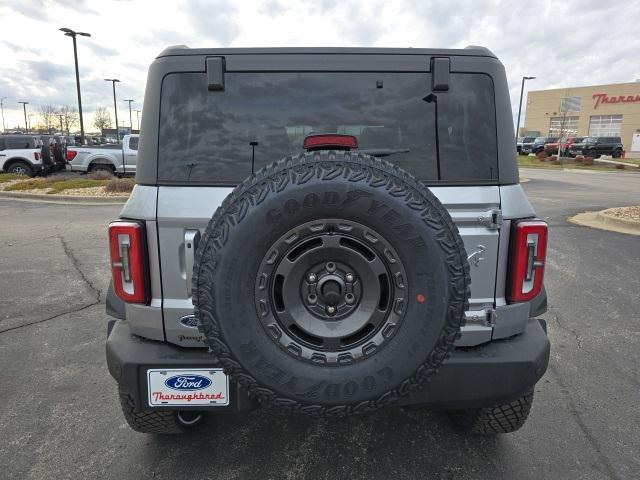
187	387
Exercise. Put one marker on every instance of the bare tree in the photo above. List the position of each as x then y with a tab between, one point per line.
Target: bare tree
48	114
70	117
101	118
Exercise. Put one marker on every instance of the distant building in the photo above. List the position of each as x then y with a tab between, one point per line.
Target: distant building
611	110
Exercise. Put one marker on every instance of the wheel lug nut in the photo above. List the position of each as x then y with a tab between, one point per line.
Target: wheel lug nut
349	277
331	309
312	277
331	267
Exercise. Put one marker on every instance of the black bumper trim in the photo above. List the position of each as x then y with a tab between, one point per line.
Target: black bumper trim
489	374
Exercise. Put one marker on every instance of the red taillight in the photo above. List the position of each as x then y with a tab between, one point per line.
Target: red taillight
36	155
70	155
527	255
127	245
334	140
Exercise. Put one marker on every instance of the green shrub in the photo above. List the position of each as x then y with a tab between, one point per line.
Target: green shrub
76	183
32	183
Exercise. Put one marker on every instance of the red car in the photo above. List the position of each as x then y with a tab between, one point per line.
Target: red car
552	147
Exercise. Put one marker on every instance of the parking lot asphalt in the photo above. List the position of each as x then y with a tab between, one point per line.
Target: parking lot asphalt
60	418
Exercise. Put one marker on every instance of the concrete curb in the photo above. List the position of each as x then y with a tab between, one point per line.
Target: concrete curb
577	170
64	199
609	219
602	221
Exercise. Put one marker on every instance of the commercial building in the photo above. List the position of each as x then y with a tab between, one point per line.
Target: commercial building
600	111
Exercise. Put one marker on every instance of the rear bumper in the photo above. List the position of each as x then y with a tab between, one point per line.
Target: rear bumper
489	374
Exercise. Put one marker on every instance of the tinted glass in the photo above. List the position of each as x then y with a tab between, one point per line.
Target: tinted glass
18	143
215	137
133	143
467	129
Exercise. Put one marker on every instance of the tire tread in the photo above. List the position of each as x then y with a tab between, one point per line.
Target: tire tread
329	165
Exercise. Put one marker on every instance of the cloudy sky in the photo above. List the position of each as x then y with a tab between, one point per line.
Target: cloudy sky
562	43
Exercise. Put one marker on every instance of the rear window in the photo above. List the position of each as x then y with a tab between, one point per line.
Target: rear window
220	137
133	143
19	143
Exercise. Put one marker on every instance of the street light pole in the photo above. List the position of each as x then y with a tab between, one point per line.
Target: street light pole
138	115
115	105
115	108
4	129
70	33
520	107
130	120
24	108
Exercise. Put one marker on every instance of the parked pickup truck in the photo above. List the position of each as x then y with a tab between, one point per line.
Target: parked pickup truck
112	158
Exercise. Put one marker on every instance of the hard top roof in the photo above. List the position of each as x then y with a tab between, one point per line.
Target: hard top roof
470	51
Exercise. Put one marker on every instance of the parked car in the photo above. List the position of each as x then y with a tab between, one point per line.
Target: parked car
524	145
331	282
20	154
552	147
596	146
539	143
119	159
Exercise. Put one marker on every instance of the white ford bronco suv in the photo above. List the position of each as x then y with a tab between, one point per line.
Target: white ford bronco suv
327	231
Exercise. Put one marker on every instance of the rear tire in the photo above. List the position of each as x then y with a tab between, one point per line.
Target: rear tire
21	168
101	167
617	153
504	418
164	422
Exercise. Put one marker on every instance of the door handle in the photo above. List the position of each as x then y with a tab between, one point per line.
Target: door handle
191	240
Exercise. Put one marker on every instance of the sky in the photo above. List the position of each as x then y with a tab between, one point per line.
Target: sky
562	43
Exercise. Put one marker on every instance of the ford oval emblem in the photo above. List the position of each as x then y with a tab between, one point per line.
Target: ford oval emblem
187	382
190	321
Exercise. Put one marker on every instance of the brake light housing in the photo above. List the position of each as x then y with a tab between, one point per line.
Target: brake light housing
70	155
129	261
527	257
36	156
327	141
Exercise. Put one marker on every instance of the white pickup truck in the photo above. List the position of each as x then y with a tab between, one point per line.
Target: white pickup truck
119	159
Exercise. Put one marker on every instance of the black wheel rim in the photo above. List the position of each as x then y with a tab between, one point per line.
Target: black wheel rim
331	291
19	170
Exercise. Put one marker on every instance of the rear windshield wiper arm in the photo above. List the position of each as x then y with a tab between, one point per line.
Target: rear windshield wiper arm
383	152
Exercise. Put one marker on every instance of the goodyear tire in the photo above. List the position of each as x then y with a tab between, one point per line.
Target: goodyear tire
331	283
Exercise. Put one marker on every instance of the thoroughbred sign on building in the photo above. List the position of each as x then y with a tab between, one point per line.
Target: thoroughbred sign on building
598	111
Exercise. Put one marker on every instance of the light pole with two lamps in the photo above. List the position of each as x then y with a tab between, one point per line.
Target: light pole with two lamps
520	107
71	33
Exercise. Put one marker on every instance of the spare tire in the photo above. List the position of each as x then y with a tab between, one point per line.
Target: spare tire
331	283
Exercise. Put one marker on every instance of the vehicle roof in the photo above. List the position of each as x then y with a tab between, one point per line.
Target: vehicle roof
18	135
470	51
